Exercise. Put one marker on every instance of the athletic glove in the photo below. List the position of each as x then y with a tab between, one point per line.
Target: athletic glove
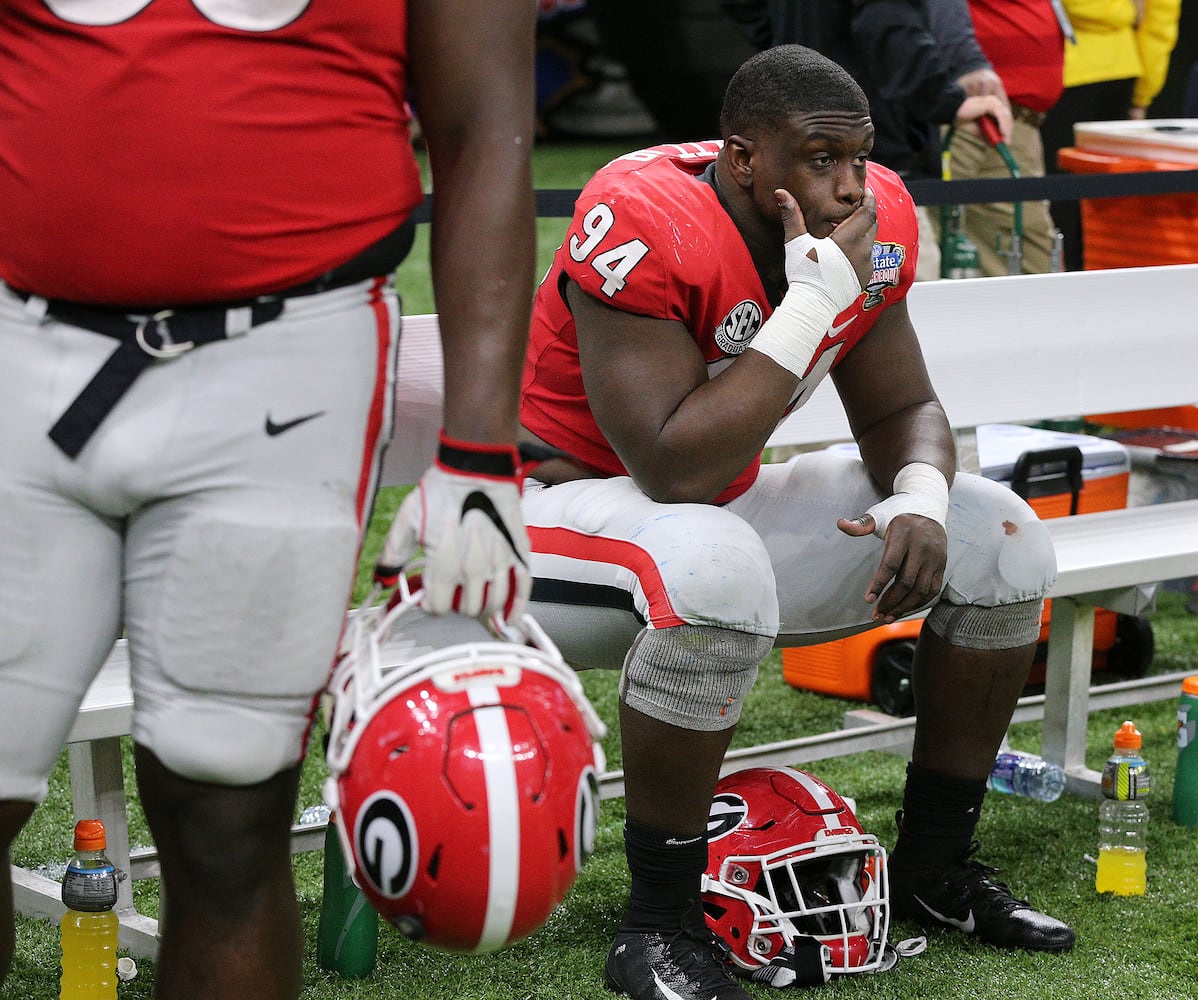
465	515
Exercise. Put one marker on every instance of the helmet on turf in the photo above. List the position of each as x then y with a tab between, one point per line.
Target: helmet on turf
463	773
793	886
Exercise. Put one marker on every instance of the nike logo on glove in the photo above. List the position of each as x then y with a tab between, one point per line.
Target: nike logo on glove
480	501
272	428
967	925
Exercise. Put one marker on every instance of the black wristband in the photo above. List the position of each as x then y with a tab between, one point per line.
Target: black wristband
478	459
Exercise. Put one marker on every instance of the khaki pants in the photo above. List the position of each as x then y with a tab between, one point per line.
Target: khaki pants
927	267
990	225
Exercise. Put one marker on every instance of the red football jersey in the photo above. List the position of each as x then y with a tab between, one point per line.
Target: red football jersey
163	152
649	236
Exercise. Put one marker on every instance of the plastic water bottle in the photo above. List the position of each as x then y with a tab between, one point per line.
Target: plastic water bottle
1185	782
959	254
348	933
1056	255
89	927
1026	774
1123	818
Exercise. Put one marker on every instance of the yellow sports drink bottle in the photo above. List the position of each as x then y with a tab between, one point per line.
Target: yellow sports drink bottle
1123	818
89	927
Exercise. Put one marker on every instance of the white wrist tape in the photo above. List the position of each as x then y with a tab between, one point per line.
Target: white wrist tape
818	291
919	488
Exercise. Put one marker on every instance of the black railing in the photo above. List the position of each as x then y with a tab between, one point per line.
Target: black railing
559	202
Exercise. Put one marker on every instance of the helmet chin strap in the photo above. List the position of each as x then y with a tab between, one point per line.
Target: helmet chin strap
807	962
781	970
804	963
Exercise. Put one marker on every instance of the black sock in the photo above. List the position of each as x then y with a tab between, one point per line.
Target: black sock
940	814
667	871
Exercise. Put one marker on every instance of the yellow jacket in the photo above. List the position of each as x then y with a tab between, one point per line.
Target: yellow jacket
1111	46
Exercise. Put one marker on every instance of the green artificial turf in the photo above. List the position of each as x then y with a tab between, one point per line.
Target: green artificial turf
1128	948
1137	947
556	166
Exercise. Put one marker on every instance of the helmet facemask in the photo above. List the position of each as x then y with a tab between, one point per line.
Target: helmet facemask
815	906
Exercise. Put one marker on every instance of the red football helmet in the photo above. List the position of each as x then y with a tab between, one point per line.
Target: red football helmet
789	869
463	773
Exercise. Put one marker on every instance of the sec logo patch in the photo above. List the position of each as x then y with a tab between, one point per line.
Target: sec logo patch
735	331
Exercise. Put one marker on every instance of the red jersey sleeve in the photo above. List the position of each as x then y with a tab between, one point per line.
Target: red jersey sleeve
640	239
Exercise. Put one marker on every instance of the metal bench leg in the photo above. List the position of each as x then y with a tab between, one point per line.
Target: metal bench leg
1067	693
98	792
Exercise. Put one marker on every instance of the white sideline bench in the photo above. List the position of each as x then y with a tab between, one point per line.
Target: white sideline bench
1007	349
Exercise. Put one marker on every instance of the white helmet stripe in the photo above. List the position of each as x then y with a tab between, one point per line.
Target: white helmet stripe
503	815
818	792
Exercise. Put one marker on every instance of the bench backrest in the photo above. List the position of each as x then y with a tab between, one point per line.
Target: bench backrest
1036	347
418	396
999	350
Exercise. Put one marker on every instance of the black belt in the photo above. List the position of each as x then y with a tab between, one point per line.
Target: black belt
1024	114
160	334
166	334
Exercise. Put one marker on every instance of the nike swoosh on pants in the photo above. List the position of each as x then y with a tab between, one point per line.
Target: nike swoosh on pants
272	428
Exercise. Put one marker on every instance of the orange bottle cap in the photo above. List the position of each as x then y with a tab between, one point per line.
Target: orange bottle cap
90	836
1128	737
1190	685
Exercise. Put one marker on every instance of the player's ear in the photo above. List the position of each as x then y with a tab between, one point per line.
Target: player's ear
739	153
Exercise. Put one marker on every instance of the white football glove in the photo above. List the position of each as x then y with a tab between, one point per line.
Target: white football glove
465	515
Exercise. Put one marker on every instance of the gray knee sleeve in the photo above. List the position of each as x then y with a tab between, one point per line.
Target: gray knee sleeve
975	627
692	676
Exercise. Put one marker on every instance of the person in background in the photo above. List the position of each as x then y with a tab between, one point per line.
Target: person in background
1024	43
702	292
890	50
1113	73
202	206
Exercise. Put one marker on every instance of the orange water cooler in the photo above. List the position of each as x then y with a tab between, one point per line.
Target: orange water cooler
1139	230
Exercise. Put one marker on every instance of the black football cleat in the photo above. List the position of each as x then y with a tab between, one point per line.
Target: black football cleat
964	895
662	965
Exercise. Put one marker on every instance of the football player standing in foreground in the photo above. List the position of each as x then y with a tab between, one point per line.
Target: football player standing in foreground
202	205
701	293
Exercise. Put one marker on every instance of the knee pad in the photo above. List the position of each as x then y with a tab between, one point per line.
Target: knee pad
219	741
250	607
1004	626
715	572
719	575
233	636
994	593
692	676
999	551
683	563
